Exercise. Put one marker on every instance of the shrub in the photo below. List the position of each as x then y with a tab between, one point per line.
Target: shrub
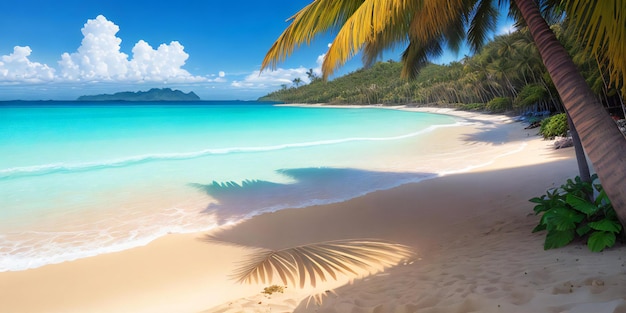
553	126
567	213
530	95
499	104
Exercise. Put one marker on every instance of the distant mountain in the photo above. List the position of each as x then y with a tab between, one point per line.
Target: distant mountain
154	94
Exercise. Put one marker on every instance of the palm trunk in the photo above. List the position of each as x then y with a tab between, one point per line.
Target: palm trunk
600	137
581	159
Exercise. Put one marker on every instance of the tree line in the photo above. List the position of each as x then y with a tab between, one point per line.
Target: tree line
506	74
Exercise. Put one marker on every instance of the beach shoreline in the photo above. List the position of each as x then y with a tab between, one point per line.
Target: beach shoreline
470	230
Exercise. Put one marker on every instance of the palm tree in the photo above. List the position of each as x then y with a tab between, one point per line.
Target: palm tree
375	25
311	75
297	81
603	142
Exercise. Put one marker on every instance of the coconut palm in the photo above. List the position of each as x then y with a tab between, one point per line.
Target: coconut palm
601	25
375	25
297	81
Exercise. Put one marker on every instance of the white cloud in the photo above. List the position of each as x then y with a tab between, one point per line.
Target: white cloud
279	76
99	63
99	58
16	67
273	78
507	29
319	62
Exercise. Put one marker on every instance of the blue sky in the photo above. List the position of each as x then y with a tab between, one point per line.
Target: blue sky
63	49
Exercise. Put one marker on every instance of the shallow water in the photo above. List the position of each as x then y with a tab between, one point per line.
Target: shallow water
78	179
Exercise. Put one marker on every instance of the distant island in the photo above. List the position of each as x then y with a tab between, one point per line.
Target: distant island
154	94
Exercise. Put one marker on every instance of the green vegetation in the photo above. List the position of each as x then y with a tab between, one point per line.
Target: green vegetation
554	126
423	27
499	104
567	213
507	74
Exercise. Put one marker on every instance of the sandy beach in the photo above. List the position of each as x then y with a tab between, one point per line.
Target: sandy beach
470	230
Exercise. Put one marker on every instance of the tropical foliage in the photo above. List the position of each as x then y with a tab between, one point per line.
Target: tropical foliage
600	25
373	26
508	67
567	213
554	126
499	104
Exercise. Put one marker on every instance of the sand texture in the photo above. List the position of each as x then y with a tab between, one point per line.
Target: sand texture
470	231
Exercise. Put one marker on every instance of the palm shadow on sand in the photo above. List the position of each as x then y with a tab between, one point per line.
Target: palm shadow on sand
310	186
306	263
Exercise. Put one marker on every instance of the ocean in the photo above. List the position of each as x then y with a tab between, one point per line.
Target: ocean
82	179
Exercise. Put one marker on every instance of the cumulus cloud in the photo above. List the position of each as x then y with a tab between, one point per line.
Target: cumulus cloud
99	58
280	76
16	67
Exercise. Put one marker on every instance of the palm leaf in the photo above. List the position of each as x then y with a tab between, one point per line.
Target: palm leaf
454	34
601	24
318	17
483	21
374	20
373	49
416	56
319	261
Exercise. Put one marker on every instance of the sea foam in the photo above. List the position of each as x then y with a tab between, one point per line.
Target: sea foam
123	179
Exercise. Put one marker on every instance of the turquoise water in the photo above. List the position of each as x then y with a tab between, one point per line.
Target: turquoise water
78	180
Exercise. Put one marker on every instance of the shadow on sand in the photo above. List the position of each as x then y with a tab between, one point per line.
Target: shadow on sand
492	215
309	186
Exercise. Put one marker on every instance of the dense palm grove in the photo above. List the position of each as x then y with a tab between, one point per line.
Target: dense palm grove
507	74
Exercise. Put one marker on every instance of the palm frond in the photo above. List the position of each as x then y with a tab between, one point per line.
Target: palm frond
602	26
454	34
434	17
382	41
434	22
416	55
553	11
319	261
482	21
318	17
365	25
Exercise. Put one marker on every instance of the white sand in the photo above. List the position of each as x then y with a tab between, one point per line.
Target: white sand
471	232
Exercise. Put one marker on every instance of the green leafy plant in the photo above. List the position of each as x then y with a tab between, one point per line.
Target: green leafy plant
568	213
530	95
553	126
499	104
